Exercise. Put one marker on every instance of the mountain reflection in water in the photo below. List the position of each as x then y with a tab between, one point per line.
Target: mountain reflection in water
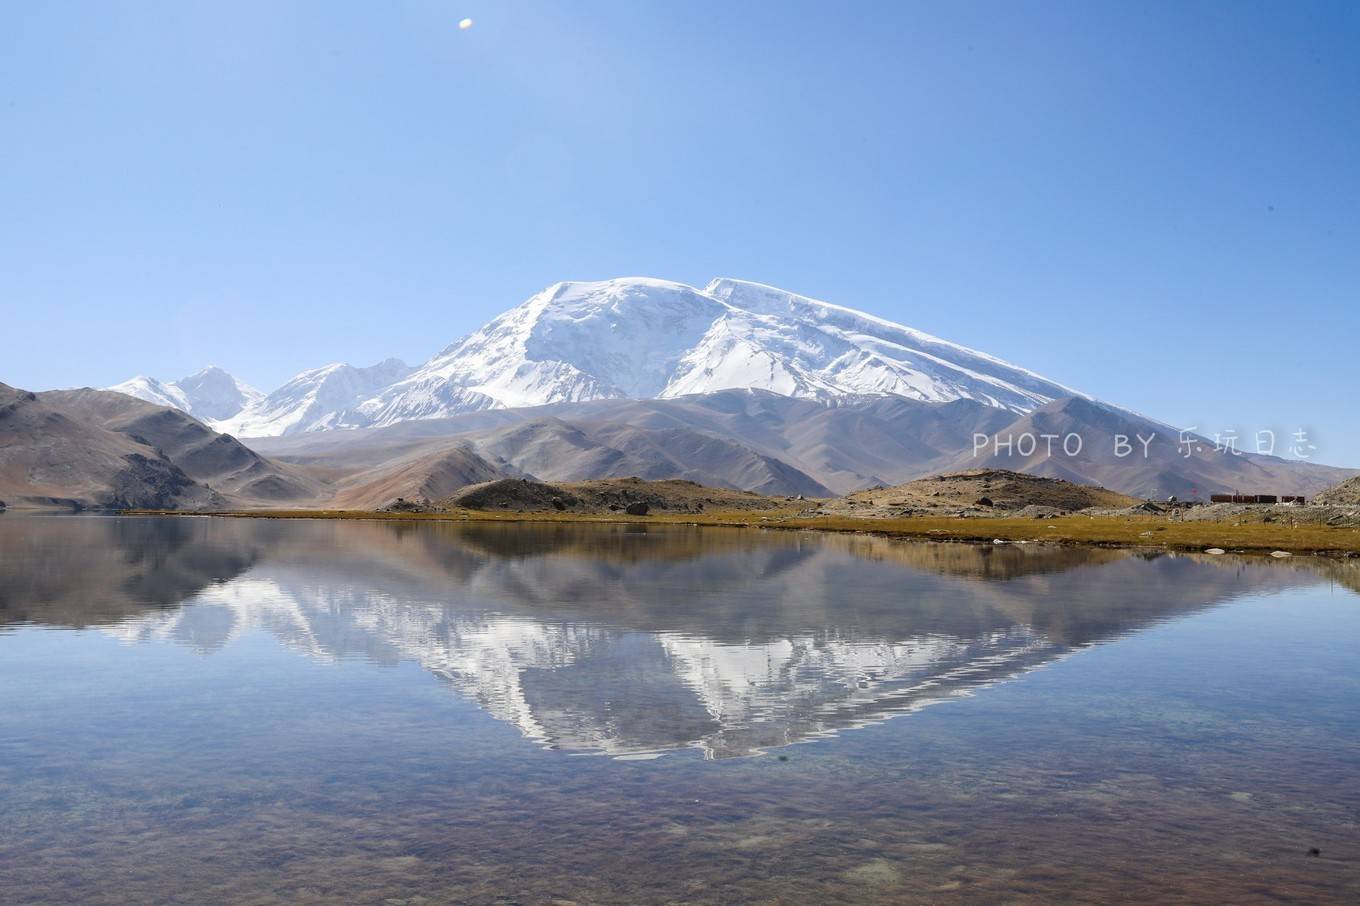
623	640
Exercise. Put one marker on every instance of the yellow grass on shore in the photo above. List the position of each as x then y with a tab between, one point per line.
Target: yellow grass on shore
1137	531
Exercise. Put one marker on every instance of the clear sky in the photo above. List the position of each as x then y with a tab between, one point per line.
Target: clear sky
1157	203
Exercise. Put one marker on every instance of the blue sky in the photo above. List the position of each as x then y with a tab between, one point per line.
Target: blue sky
1157	203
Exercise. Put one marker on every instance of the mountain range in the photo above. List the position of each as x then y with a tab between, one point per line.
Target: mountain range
633	338
734	385
784	445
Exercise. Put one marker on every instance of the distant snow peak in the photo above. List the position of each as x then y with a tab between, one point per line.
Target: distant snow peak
161	393
640	338
207	395
321	399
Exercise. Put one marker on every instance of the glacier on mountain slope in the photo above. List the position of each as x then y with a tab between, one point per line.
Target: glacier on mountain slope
645	338
850	352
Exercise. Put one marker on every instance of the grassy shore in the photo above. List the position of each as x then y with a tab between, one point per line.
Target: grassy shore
1148	531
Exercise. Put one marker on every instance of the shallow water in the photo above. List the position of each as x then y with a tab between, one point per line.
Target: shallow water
256	711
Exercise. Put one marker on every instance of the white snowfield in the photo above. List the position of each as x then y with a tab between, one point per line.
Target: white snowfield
640	338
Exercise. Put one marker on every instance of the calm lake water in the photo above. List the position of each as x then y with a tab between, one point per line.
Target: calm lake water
208	710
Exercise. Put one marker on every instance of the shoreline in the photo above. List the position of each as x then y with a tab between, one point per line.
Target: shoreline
1151	531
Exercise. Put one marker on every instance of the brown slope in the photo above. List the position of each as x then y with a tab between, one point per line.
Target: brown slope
885	441
1345	494
550	449
704	459
52	457
1163	472
978	489
843	446
218	461
422	478
554	449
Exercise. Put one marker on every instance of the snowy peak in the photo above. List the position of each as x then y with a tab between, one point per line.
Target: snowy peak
638	337
627	338
162	393
574	342
628	334
209	395
315	400
215	394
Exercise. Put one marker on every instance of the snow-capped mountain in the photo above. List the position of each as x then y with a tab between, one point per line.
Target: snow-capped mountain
315	400
643	338
209	395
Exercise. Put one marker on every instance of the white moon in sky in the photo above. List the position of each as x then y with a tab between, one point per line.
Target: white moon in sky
464	24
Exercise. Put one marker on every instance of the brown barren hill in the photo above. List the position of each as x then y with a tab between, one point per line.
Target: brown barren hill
214	460
978	491
50	457
609	495
416	480
1345	494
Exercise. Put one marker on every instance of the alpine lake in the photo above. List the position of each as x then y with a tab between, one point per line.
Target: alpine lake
256	711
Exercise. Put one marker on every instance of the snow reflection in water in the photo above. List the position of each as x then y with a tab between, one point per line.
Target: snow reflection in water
628	642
